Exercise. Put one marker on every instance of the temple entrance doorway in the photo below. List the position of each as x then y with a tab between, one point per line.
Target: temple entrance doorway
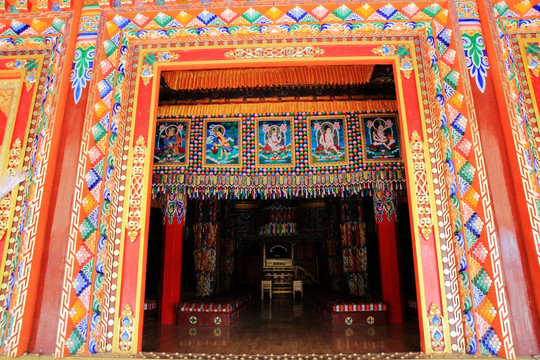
275	225
322	258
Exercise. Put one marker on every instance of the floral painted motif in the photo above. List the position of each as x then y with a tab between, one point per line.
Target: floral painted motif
81	72
476	56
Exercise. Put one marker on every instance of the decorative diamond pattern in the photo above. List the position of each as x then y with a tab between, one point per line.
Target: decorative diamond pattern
77	312
479	252
75	341
92	179
342	12
471	196
464	146
491	343
475	225
81	283
228	15
83	255
297	13
482	281
87	229
88	203
467	172
319	12
487	310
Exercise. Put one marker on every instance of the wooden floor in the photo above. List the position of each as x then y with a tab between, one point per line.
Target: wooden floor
281	326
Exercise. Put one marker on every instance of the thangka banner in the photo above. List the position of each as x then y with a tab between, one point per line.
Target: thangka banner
277	155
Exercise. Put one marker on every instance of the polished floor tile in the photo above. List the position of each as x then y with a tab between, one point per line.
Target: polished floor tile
281	326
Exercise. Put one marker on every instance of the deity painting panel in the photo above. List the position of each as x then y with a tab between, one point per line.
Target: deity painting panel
172	142
275	145
327	137
381	138
222	144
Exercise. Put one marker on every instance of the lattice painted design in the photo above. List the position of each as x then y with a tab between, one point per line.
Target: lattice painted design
128	27
420	179
5	202
436	328
134	213
274	52
126	328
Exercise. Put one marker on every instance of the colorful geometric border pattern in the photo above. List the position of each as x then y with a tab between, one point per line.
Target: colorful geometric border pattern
292	20
43	47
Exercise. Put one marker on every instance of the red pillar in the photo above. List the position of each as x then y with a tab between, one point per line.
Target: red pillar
389	265
171	270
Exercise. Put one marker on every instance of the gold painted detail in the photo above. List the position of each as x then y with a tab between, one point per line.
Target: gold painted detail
424	211
9	103
274	52
436	328
405	61
31	67
23	42
6	99
5	202
134	215
126	329
147	71
533	61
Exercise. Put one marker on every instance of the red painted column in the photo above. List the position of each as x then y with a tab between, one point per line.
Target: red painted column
389	265
171	269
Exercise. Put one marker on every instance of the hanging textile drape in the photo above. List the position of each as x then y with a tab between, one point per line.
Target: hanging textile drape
333	248
263	77
313	107
206	233
353	245
384	203
226	250
278	218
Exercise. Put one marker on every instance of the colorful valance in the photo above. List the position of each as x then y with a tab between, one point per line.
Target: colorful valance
277	108
270	155
264	77
278	186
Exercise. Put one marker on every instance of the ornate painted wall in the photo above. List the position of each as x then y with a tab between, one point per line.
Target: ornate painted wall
450	58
